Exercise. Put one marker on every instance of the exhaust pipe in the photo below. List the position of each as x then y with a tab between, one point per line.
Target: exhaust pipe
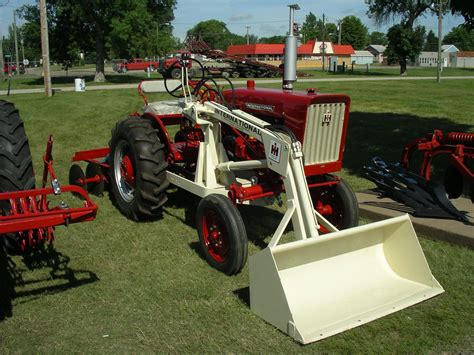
289	75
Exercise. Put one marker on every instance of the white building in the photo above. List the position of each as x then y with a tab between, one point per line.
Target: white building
430	59
362	57
378	51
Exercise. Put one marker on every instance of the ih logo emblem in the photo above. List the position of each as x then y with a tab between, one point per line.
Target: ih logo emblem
327	117
275	151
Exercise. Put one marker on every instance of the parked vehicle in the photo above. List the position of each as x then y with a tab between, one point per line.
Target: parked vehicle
9	68
135	64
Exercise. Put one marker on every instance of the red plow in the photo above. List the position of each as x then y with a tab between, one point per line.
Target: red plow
30	215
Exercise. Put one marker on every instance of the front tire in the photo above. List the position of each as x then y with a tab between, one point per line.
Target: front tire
337	203
222	234
138	169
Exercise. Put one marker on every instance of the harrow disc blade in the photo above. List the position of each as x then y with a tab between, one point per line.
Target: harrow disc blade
76	177
97	187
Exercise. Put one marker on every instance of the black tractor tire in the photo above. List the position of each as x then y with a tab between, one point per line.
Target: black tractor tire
135	139
222	234
342	200
235	74
16	167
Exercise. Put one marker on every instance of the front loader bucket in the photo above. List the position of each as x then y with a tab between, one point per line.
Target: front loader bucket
314	288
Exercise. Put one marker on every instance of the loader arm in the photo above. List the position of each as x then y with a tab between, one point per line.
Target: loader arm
283	155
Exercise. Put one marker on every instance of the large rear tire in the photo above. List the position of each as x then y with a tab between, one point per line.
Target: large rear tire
337	203
222	234
16	167
138	169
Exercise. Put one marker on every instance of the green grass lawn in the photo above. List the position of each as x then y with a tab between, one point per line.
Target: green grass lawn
113	285
36	81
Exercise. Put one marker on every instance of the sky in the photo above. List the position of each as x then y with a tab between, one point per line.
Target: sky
265	17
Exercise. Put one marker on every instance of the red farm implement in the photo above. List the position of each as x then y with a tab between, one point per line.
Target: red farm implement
460	149
30	215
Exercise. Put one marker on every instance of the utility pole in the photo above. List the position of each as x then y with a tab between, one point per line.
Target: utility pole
45	49
17	57
324	44
248	39
2	64
22	50
340	32
440	33
157	37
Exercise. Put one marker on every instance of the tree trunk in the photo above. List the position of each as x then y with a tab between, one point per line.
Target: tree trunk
100	49
403	67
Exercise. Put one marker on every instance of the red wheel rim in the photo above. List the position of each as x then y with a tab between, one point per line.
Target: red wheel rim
126	168
215	235
327	203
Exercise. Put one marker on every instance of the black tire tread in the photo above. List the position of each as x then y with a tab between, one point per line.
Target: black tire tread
150	165
237	233
16	166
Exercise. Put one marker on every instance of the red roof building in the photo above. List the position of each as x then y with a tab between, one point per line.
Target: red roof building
309	48
309	54
262	49
343	49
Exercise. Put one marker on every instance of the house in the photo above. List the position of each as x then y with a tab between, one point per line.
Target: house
463	59
378	52
268	52
430	59
362	58
449	48
309	54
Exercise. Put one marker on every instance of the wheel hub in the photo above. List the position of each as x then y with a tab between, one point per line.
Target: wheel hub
124	172
214	236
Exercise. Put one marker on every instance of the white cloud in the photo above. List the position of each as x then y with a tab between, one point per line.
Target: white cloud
240	17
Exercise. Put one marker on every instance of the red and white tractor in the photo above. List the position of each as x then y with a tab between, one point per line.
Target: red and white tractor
257	146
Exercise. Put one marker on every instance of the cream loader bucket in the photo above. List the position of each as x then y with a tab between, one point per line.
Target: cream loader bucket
314	288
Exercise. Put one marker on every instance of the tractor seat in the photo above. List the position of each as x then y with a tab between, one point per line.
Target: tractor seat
164	107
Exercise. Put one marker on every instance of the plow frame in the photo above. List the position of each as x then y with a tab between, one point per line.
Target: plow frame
459	147
29	211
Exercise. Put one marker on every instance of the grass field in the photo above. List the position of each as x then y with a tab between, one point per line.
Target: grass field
113	285
60	79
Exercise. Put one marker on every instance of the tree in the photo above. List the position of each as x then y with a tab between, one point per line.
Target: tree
431	44
310	30
216	34
272	40
378	38
466	9
461	37
404	44
106	27
313	28
407	11
354	32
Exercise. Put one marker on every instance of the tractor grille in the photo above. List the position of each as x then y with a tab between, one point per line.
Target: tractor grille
323	131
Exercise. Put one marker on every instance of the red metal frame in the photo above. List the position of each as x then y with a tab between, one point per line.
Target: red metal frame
459	147
29	213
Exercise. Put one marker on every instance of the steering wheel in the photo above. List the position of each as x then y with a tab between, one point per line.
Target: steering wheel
177	91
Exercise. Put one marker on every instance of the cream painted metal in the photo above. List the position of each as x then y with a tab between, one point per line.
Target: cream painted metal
316	286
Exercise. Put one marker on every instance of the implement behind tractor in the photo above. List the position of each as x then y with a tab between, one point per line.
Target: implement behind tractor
255	146
29	215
